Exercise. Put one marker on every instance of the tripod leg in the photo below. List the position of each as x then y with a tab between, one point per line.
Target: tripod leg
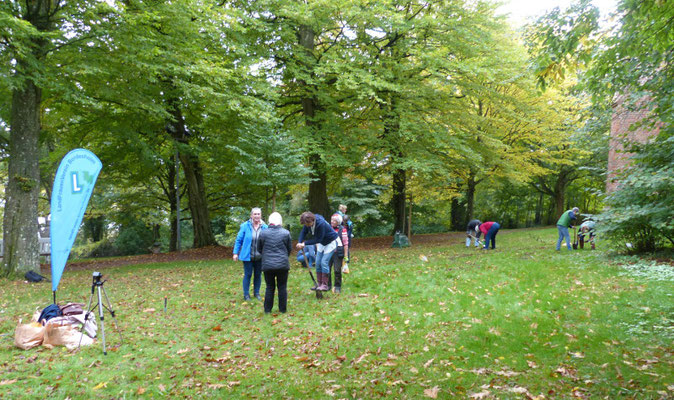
86	316
101	317
112	313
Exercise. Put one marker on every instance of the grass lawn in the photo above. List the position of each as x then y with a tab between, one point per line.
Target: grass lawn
522	321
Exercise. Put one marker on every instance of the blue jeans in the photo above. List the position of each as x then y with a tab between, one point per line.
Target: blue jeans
248	268
323	261
563	234
491	236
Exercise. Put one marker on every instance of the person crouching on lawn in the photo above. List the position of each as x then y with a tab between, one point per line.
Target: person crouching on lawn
489	229
325	239
275	247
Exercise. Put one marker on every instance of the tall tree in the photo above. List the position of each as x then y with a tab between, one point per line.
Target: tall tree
31	33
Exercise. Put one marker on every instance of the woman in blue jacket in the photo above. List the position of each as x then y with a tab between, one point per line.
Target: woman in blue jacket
245	249
325	239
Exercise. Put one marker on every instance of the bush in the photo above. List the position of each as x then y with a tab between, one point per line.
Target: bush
640	212
134	238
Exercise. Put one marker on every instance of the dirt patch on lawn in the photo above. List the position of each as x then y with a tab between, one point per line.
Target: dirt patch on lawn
223	252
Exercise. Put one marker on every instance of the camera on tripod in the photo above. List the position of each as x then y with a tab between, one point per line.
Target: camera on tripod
98	284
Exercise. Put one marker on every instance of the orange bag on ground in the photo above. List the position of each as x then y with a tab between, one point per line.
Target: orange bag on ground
27	336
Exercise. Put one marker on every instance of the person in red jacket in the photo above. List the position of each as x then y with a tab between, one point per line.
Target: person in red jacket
489	229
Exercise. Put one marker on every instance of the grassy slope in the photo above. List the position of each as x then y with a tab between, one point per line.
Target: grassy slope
520	321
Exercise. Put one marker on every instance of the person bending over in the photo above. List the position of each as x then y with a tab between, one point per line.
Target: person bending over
325	239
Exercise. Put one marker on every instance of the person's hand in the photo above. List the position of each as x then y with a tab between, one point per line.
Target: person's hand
300	246
235	257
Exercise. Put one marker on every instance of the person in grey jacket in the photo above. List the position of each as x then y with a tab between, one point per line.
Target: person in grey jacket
275	246
472	233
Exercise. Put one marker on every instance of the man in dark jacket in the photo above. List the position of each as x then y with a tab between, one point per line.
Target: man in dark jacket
325	239
275	246
471	232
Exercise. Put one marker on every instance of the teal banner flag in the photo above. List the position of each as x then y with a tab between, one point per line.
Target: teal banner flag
73	185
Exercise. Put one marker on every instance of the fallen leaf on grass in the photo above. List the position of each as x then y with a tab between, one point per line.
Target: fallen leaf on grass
423	258
429	362
140	390
183	351
361	358
7	382
101	385
161	387
432	392
363	295
149	310
532	364
217	328
216	385
480	395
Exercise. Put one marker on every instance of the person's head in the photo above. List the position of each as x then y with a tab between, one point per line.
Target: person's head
342	208
336	220
307	218
275	219
256	214
575	210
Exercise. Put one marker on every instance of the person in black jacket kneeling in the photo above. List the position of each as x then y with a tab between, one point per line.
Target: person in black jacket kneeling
275	245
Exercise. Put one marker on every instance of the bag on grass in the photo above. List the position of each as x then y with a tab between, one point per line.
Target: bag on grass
32	276
65	335
27	336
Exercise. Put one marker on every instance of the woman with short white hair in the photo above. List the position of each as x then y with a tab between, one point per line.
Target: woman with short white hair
275	246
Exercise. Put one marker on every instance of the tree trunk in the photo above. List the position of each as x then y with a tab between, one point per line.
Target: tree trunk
458	215
318	187
470	199
318	190
558	196
171	193
21	248
20	230
273	199
196	192
194	180
538	219
398	199
94	228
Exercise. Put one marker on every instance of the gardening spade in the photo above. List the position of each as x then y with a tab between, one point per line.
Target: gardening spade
479	242
575	238
319	294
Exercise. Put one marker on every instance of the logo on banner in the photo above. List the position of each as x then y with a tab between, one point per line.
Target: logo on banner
81	178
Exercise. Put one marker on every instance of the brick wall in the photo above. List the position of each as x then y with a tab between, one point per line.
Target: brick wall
621	122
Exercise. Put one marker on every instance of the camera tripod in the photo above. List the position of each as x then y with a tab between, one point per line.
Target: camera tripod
97	283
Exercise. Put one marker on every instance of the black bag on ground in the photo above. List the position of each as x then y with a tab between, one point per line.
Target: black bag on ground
32	276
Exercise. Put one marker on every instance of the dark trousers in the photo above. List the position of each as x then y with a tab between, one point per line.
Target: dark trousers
336	265
276	278
252	269
491	236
